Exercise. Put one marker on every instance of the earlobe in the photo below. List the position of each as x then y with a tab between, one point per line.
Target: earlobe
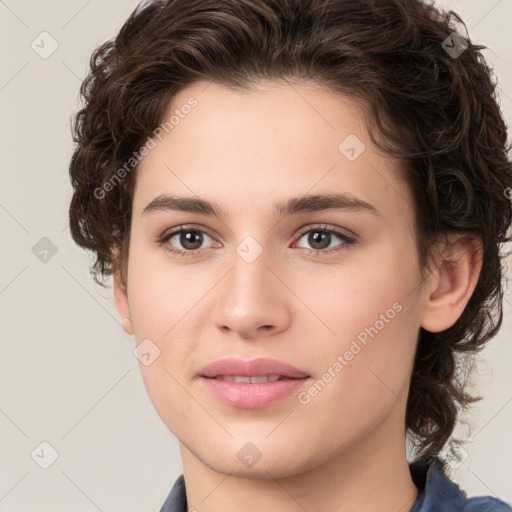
453	283
121	302
127	326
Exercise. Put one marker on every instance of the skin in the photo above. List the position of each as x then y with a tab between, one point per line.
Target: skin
345	449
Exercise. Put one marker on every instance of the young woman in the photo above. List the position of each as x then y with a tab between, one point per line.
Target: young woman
302	205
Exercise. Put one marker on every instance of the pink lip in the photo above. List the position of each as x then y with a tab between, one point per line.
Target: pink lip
252	396
253	367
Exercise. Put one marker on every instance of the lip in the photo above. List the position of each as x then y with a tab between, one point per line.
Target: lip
252	396
257	395
253	367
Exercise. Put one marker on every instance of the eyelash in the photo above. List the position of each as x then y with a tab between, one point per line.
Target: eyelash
348	240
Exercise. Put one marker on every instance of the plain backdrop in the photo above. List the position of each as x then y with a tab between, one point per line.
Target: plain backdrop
69	378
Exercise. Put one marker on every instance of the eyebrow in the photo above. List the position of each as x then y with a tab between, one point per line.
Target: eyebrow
294	205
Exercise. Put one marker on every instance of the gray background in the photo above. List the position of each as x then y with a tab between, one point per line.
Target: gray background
68	374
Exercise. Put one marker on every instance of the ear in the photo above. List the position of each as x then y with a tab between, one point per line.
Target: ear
121	302
452	283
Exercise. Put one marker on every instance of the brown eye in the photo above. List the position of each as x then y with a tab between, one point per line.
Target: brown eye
321	238
184	241
190	240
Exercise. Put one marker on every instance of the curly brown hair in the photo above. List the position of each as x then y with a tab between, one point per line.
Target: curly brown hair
430	100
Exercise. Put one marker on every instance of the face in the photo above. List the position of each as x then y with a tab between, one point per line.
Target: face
333	292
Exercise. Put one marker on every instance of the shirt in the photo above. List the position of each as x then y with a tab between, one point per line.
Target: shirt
437	493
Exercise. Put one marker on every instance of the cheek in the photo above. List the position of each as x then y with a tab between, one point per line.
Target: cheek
366	329
162	299
372	291
165	307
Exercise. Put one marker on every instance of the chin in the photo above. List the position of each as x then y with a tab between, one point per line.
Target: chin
262	470
260	460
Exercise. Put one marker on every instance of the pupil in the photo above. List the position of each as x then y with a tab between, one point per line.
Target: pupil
314	239
187	239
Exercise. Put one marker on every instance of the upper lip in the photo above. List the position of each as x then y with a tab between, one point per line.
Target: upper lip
251	368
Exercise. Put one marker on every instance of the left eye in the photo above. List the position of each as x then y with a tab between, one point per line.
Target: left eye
320	239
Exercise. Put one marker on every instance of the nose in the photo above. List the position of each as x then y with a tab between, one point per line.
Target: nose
252	300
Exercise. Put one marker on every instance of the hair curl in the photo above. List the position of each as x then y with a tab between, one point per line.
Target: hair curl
437	113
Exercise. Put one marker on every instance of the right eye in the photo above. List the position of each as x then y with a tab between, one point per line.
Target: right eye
189	238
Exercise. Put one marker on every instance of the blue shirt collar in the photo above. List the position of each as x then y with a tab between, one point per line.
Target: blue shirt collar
436	493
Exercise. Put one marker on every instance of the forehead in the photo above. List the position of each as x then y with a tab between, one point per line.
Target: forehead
277	141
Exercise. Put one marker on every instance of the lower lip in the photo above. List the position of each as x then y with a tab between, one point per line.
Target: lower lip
252	396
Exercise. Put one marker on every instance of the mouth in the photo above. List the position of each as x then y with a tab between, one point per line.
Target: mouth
252	384
254	379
